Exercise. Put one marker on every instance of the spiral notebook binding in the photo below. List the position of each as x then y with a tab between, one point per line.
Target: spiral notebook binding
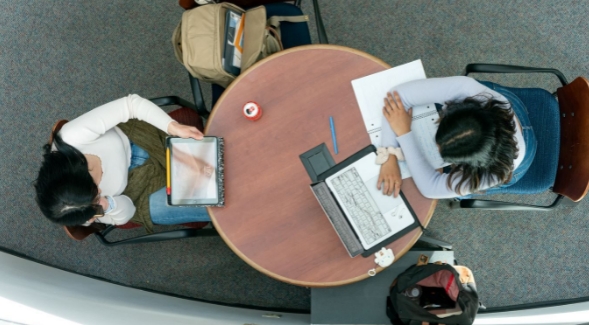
221	168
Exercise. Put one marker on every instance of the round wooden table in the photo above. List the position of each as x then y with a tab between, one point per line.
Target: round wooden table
271	218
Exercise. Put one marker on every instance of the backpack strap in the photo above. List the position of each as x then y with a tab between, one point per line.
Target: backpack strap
272	39
272	44
274	21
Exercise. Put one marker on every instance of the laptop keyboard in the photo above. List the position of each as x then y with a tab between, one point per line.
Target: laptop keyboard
361	207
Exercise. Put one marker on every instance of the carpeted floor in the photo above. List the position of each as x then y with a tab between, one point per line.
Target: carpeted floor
62	58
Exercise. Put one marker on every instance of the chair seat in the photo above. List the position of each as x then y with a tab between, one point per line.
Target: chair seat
544	114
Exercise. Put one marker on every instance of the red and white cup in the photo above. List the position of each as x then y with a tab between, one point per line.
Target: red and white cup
252	111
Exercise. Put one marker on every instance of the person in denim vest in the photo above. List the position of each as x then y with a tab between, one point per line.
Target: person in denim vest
484	133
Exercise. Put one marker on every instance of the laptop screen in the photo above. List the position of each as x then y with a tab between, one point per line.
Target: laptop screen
373	215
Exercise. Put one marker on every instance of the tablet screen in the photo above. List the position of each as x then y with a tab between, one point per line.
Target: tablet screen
193	171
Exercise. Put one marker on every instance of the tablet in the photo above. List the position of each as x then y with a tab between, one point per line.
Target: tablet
195	171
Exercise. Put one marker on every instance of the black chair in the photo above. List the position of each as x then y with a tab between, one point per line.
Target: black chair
561	126
293	34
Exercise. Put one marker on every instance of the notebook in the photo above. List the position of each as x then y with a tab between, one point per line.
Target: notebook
233	48
365	219
195	171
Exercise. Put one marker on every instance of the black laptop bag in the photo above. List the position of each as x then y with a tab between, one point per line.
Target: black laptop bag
435	294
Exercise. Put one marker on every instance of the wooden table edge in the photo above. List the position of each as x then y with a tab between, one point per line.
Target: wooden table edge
212	215
317	284
285	52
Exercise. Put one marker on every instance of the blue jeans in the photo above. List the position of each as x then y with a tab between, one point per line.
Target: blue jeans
162	213
521	112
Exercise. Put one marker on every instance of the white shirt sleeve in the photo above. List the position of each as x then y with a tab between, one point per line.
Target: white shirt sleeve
442	90
121	213
93	124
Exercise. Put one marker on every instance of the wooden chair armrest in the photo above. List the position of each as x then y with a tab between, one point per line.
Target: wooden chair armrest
572	176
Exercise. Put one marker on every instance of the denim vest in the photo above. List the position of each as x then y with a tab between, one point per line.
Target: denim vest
521	112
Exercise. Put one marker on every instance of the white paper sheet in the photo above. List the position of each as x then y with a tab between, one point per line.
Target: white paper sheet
371	90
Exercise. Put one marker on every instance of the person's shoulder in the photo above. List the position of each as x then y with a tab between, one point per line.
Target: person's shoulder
69	133
462	79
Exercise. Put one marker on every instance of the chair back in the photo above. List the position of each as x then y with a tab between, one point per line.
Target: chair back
572	176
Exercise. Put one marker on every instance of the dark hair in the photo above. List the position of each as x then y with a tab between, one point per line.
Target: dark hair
66	192
476	135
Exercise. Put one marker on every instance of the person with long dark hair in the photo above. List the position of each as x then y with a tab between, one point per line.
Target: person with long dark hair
107	165
483	133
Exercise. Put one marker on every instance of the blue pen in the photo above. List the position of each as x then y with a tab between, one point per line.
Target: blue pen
333	134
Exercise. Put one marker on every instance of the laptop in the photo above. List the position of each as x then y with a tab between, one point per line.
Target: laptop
365	219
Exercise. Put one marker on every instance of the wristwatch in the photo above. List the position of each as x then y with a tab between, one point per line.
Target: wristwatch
382	154
111	203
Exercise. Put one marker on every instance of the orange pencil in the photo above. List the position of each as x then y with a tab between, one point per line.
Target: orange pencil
239	35
168	171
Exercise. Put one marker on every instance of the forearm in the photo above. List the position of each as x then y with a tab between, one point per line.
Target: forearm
144	110
441	90
388	138
93	124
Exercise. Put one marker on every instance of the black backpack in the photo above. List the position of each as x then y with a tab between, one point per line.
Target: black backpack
433	293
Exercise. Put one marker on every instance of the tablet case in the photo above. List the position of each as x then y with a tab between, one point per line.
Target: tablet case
220	175
337	217
316	161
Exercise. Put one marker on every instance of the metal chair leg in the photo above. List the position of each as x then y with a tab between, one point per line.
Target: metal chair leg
161	236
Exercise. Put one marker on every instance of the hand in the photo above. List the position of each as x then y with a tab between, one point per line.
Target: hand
193	163
197	172
394	112
390	177
184	131
104	203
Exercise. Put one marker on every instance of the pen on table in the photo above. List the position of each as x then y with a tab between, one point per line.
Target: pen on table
333	134
168	187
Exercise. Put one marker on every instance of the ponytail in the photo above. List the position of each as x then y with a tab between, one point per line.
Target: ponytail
65	190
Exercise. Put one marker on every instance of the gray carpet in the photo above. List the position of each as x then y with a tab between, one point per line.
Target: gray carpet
62	58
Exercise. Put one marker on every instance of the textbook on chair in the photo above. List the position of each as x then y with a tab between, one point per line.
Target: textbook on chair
233	48
370	92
